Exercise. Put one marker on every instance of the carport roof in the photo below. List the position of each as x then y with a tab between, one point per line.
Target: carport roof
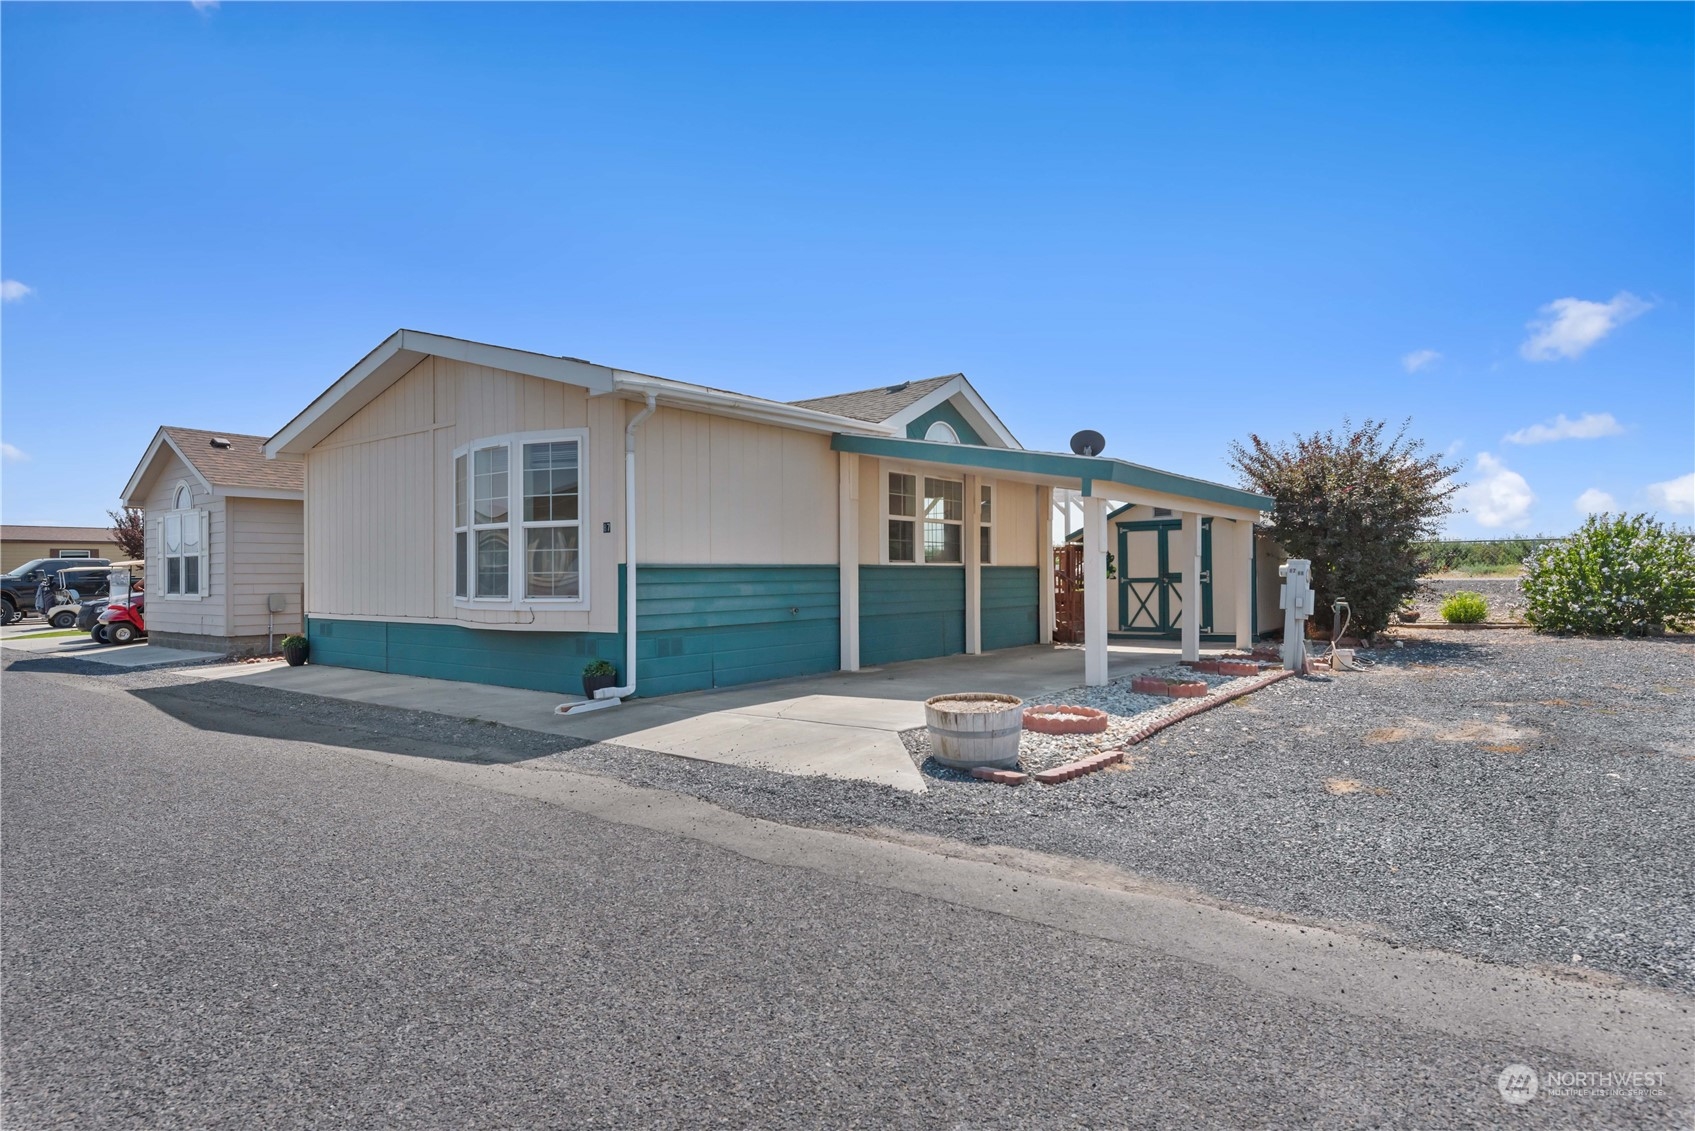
1093	474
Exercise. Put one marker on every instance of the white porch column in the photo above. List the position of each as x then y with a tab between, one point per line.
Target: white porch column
1044	564
973	568
1094	591
847	555
1245	625
1192	588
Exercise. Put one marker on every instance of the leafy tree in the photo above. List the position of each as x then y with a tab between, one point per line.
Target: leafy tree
1353	503
1617	574
129	532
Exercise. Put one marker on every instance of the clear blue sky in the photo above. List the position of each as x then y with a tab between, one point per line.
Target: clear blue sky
1176	225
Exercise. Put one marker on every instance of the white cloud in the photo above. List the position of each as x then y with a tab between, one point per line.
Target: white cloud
1418	359
1596	501
1589	426
12	454
1674	495
1569	326
11	290
1500	497
204	5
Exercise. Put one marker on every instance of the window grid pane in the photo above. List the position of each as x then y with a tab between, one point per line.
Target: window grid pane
903	495
459	491
550	482
942	542
191	574
494	565
983	541
489	487
551	562
944	499
900	540
461	543
986	514
173	575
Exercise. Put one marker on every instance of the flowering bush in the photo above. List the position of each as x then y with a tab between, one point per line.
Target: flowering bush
1618	574
1464	607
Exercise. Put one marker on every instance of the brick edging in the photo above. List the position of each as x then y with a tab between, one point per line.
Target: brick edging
1200	705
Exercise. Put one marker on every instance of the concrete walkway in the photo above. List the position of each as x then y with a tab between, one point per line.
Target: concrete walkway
80	647
842	725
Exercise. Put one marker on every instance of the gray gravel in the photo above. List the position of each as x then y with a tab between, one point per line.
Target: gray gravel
1505	597
210	927
1519	798
1536	809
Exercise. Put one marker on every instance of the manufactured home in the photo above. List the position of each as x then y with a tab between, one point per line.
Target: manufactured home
225	556
476	512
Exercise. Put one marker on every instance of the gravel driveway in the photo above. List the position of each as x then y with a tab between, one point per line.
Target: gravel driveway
1513	797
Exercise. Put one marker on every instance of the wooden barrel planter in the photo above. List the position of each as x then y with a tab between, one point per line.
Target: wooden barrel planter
975	729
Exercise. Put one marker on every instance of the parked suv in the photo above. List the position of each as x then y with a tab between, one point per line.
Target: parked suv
17	588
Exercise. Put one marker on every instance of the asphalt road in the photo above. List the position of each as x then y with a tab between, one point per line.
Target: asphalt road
216	916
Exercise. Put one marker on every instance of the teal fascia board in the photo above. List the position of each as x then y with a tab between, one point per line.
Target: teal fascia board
1085	470
949	415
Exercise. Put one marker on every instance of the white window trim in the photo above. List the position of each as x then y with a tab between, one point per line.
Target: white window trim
514	443
203	518
886	469
989	490
941	432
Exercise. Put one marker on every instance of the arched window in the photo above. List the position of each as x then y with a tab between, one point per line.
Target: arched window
942	433
183	535
183	499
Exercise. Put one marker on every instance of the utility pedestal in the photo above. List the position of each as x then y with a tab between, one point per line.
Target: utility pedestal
1295	599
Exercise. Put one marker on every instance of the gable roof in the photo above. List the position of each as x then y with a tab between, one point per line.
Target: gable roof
879	404
240	469
403	349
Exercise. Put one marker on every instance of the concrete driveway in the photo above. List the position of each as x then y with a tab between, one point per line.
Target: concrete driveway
843	725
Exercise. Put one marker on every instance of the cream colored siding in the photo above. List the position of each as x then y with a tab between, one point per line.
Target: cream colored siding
208	615
1014	519
873	490
379	495
265	556
716	491
1014	523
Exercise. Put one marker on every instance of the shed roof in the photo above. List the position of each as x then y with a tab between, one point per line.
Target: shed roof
879	404
241	464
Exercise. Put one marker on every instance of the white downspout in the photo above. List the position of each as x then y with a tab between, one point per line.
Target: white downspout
612	696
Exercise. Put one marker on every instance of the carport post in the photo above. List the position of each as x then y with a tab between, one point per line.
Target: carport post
973	517
1245	626
847	556
1192	588
1094	591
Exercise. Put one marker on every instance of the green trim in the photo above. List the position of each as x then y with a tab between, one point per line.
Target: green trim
1010	606
910	612
1167	627
949	415
1086	470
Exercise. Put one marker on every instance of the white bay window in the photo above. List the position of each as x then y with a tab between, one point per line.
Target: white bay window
518	512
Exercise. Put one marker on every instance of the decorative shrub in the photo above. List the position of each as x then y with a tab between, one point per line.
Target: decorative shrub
599	667
1464	607
294	640
1616	575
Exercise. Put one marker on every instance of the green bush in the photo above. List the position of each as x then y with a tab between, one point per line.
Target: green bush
1617	575
599	667
1464	607
293	640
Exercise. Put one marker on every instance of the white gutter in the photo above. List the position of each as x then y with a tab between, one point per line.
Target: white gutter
612	696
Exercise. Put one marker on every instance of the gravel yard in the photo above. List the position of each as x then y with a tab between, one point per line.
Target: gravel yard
1127	711
1506	599
1513	797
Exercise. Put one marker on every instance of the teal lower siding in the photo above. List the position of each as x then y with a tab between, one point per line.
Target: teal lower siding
700	627
910	612
1011	604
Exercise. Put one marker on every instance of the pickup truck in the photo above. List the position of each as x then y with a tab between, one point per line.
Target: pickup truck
17	587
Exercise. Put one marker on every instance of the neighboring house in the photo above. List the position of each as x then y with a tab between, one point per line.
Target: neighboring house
471	512
225	556
20	544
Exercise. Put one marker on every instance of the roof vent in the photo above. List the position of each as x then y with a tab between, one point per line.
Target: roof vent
897	388
219	442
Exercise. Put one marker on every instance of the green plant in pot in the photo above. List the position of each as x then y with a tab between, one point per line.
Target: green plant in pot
598	674
294	649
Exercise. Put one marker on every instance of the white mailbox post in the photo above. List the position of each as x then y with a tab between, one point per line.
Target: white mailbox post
1295	599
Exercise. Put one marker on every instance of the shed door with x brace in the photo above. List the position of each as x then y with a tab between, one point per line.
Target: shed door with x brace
1150	593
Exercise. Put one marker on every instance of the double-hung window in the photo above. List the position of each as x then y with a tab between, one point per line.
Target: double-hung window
183	534
931	523
518	514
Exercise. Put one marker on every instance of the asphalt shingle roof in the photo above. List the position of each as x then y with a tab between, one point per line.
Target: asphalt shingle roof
242	464
876	405
55	534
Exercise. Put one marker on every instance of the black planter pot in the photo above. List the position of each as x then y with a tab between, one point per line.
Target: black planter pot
593	683
295	654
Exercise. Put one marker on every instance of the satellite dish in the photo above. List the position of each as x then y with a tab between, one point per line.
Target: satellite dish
1088	443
